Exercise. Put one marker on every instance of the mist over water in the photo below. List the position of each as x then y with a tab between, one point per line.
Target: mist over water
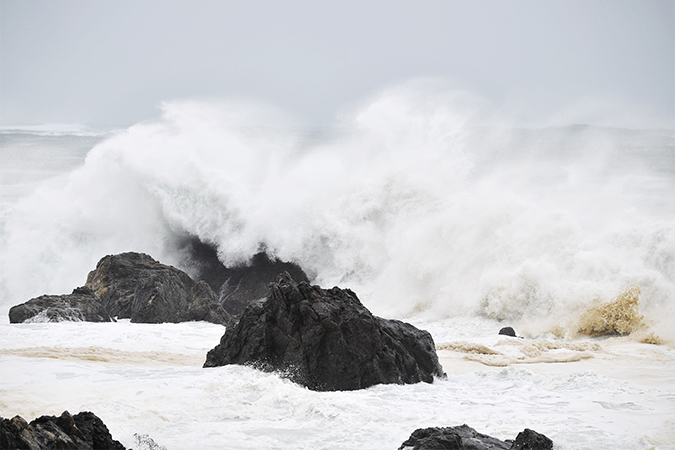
419	200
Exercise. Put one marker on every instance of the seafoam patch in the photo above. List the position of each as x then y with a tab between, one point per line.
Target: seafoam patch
521	351
107	355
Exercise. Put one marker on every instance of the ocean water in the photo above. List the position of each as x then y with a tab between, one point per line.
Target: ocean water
429	212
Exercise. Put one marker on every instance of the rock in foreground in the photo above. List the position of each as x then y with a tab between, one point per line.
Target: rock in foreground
466	438
83	431
135	286
80	306
326	340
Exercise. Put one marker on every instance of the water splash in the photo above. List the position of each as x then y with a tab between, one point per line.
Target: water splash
621	316
413	201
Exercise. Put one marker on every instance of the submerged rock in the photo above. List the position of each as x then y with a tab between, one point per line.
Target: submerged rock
135	286
236	286
326	340
82	431
81	306
464	437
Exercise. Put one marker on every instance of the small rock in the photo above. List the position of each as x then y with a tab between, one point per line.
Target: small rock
508	331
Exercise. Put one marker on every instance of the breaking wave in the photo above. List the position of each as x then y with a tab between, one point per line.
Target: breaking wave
415	200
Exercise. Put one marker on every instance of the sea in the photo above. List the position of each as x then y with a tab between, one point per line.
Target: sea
428	212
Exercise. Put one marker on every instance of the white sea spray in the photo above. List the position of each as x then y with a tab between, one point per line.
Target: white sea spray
411	200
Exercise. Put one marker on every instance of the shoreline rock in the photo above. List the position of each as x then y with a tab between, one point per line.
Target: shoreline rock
508	331
129	286
82	305
464	437
326	340
137	287
83	431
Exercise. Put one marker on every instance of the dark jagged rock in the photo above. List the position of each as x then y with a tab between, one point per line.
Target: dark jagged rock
531	440
236	286
83	431
464	437
251	282
326	340
508	331
81	305
135	286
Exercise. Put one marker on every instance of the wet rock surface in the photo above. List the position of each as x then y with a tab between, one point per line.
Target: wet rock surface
464	437
531	440
135	286
326	340
81	305
236	286
83	431
508	331
129	286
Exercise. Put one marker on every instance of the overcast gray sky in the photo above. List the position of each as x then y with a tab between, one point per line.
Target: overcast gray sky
111	63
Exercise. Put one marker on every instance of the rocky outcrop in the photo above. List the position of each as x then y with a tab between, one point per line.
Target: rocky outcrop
135	286
326	340
83	431
239	285
81	305
464	437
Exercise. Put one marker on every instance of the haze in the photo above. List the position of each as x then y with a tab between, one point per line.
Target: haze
105	63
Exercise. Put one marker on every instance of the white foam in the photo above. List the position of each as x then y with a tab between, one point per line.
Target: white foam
621	398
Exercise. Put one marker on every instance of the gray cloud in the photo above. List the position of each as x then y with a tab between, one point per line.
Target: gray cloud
112	63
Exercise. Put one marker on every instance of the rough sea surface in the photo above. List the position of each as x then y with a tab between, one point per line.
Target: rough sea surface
427	212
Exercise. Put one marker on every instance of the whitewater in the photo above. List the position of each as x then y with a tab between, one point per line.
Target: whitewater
424	202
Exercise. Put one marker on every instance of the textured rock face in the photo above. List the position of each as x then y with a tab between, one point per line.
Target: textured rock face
250	283
531	440
326	340
464	437
134	285
83	431
81	305
236	286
